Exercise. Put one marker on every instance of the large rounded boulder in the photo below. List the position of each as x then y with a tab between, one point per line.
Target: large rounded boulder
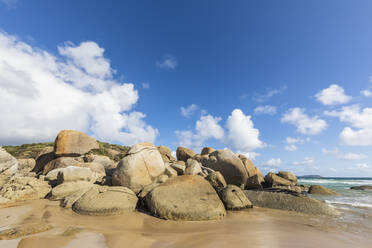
289	176
140	167
273	180
73	143
185	198
234	198
321	190
106	201
230	166
184	153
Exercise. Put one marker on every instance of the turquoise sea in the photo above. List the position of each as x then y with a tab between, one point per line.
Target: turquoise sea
355	205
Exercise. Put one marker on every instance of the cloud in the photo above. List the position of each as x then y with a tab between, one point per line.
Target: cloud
168	62
362	166
10	3
189	110
250	155
274	162
241	132
241	135
332	95
291	148
326	151
307	161
146	85
352	156
206	127
269	94
291	143
366	93
266	109
42	93
343	155
305	124
361	120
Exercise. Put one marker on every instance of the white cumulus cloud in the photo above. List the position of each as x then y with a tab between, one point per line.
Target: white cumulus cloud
206	127
265	109
332	95
305	124
360	134
274	162
241	132
241	136
42	93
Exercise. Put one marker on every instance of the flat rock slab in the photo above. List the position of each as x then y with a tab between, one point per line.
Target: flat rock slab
289	202
24	230
185	198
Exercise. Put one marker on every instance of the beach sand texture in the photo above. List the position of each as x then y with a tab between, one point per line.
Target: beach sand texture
255	227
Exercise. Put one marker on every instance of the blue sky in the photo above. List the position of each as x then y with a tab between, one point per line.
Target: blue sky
287	82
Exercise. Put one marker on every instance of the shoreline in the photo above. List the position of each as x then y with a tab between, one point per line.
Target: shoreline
258	227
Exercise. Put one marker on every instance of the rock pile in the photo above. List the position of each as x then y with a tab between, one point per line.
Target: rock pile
190	187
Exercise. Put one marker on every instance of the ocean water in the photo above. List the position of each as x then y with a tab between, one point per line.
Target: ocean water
355	205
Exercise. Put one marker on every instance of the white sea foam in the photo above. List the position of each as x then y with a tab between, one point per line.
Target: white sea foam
336	181
353	204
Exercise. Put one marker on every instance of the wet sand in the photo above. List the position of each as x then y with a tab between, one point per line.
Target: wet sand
249	228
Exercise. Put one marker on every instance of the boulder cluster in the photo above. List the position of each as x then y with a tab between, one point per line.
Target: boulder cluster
190	187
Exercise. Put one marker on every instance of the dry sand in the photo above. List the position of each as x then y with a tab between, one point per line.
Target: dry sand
249	228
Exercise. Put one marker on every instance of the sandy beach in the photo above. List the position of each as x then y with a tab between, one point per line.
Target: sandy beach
255	227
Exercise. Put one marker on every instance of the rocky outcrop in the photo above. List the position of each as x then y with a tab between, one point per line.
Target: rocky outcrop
249	166
255	182
230	166
321	190
44	157
8	164
69	188
170	172
363	187
73	143
106	201
184	153
21	188
97	169
178	166
75	173
288	176
193	167
26	164
290	202
185	198
273	180
216	180
62	162
234	198
106	162
207	150
140	167
166	154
